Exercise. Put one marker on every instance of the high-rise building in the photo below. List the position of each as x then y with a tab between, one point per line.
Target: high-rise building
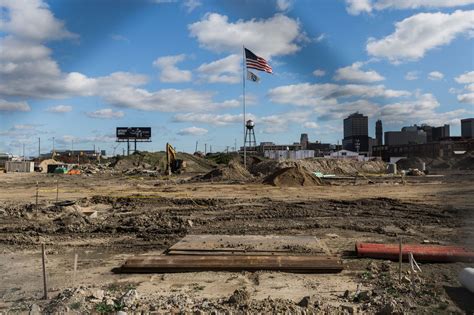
379	132
304	140
408	135
435	133
467	128
356	133
439	133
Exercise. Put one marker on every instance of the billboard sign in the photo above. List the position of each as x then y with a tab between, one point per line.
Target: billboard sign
133	133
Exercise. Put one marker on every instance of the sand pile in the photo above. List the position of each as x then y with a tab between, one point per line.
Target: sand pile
44	164
323	165
234	171
291	177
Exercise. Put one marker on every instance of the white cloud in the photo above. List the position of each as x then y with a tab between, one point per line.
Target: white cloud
41	25
412	75
212	119
6	106
415	4
278	123
467	98
311	125
319	73
435	75
463	97
320	38
306	94
216	33
284	5
166	100
192	4
106	113
119	38
416	35
467	77
225	70
59	109
353	73
355	7
169	72
192	131
420	110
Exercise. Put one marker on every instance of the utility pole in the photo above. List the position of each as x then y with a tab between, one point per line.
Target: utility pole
23	152
39	148
53	145
235	145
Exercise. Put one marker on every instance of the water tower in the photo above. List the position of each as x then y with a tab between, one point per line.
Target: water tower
250	134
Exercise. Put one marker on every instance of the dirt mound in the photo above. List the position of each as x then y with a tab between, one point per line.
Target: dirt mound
44	164
156	161
292	176
465	163
462	162
323	165
405	164
234	171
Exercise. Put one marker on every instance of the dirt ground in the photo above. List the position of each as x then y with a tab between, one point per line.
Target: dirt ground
146	215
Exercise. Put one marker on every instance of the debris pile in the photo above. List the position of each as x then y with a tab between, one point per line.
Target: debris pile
95	168
322	165
458	162
124	298
291	177
414	172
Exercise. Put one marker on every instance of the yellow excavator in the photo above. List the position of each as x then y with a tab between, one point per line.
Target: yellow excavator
173	165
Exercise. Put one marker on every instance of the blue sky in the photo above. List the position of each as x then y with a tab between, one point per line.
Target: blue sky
76	69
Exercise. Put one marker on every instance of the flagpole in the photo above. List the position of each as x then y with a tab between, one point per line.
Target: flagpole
243	101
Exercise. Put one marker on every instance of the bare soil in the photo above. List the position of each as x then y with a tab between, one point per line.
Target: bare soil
144	215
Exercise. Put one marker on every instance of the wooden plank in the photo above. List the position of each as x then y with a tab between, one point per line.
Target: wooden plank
251	243
196	263
227	252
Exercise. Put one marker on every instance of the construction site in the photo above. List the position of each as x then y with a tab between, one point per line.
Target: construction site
129	235
236	157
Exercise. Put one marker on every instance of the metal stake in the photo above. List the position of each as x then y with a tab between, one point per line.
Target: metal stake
75	268
36	196
400	262
57	190
45	284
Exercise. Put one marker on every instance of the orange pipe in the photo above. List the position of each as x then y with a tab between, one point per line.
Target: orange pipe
426	253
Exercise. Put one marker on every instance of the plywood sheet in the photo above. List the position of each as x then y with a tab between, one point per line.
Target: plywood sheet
248	244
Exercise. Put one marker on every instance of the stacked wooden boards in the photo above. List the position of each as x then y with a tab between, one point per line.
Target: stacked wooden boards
302	254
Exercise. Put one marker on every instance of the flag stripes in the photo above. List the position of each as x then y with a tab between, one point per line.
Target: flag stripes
255	62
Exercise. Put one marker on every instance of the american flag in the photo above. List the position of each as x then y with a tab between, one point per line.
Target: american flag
255	62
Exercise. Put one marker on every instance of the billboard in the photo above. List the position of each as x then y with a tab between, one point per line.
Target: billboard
133	133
